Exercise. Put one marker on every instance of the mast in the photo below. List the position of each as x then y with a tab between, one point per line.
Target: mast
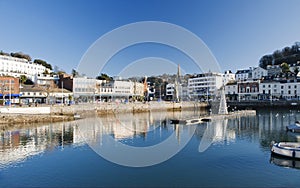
223	104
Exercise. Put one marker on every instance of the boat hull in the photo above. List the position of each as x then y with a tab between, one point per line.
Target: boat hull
293	128
287	149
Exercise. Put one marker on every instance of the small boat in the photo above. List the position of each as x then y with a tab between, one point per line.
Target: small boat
76	116
287	149
190	121
206	120
177	121
193	121
294	127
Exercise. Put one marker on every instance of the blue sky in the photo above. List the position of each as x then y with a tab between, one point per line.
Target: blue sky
238	32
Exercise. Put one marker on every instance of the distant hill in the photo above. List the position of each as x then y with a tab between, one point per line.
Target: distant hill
289	55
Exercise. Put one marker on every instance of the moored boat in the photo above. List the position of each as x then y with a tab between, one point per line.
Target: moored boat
287	149
294	127
76	116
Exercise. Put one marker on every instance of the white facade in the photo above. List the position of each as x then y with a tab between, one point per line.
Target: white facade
15	67
83	86
89	87
123	88
228	76
276	90
231	89
258	73
241	75
205	84
170	88
45	79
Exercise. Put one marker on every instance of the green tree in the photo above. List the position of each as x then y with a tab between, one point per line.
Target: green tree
23	79
265	61
46	72
285	67
75	73
21	55
42	62
104	76
3	53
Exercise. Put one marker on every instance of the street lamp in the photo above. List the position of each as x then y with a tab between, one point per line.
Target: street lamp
2	89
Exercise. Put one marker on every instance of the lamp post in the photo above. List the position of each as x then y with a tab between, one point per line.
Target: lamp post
2	89
9	92
62	93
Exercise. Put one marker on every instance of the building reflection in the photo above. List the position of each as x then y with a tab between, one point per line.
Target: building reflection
17	145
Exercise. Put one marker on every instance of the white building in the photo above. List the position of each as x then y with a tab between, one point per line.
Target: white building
228	76
170	91
231	90
88	89
258	72
241	75
84	89
45	79
205	85
272	90
15	67
273	70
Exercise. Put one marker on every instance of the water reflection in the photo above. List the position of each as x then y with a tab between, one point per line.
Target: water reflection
143	130
285	162
18	144
136	140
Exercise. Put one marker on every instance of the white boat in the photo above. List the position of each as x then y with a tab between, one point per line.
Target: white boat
287	149
76	116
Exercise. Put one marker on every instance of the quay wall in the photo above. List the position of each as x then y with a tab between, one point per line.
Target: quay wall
255	105
108	108
57	113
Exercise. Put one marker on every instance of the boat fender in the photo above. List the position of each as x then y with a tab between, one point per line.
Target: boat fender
272	143
294	154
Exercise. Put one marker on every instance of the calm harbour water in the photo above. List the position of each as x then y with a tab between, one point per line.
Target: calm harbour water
237	154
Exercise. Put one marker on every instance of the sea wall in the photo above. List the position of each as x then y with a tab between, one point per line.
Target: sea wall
108	108
57	113
263	104
25	110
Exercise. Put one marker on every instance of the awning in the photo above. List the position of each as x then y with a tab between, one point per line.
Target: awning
12	95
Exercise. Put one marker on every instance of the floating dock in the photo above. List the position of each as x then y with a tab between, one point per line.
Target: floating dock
212	117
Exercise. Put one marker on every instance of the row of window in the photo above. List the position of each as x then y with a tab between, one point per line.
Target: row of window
282	87
34	93
7	82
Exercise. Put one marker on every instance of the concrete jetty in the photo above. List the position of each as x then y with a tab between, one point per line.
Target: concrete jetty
213	117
